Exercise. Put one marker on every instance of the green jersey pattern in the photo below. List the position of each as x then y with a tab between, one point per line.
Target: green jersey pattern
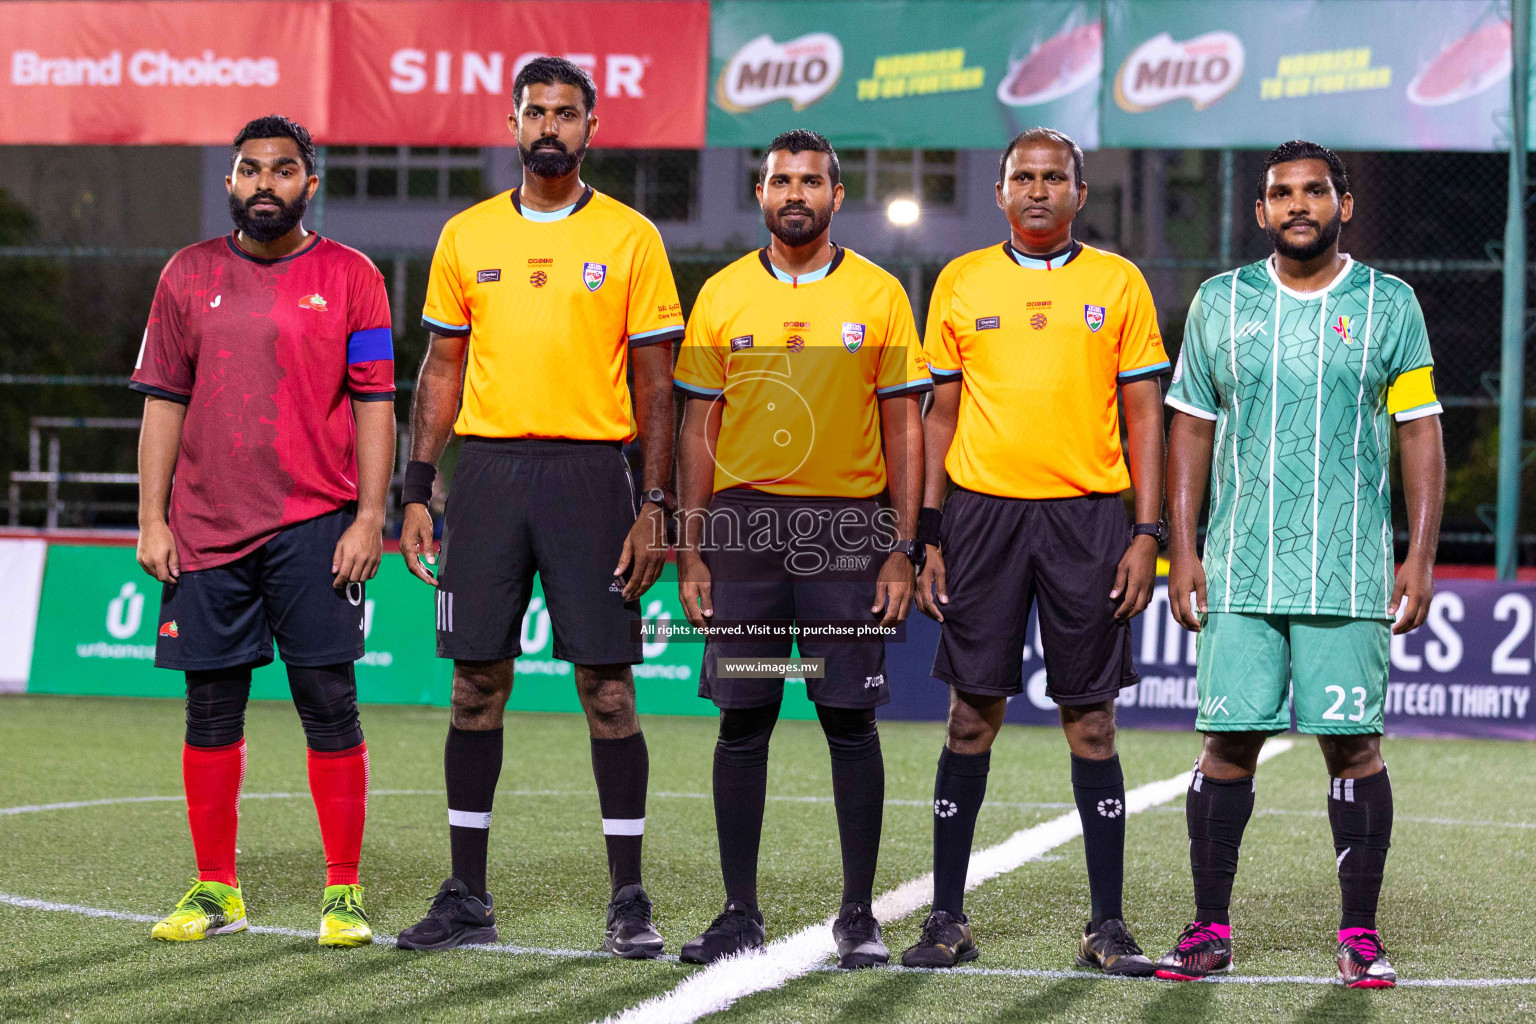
1297	385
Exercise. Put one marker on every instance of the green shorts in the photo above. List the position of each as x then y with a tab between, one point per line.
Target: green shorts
1251	667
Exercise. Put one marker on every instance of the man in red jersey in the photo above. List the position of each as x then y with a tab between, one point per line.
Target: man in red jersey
268	367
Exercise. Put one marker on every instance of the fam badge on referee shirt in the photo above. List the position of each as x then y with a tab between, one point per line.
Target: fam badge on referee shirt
1093	316
853	337
594	274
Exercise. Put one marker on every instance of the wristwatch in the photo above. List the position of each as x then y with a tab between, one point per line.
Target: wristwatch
654	496
1158	531
916	553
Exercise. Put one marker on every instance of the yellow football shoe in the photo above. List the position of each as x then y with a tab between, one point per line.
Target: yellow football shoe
208	908
342	920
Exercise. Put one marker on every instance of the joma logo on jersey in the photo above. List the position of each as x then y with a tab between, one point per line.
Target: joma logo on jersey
853	337
593	275
314	302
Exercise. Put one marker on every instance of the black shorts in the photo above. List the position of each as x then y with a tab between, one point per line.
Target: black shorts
769	582
227	616
1003	554
557	508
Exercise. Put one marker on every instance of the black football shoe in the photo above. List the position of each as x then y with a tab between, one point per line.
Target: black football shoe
858	938
630	933
456	919
1111	949
1202	949
739	928
946	941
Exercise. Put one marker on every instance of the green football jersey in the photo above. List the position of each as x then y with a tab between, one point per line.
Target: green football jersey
1301	387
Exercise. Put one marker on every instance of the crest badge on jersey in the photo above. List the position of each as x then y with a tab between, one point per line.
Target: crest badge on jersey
853	337
1341	328
593	275
1093	316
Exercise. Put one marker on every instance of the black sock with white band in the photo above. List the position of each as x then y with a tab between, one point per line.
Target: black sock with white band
622	769
471	765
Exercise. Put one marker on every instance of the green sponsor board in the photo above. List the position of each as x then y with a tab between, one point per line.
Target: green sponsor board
1352	74
97	624
904	74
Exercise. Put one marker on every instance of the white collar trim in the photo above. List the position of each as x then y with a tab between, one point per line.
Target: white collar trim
1269	265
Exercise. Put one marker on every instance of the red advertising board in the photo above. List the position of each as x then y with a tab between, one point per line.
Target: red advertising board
383	73
440	73
159	73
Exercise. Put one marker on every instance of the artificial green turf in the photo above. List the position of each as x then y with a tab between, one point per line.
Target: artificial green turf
1457	901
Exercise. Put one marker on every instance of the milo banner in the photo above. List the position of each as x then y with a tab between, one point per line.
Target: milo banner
888	73
1353	74
96	627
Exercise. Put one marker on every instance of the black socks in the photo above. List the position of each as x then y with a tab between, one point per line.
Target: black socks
1098	787
858	790
741	790
622	769
1360	812
1216	811
471	765
958	790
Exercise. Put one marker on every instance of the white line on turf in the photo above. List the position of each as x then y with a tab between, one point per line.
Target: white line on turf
591	954
1411	819
722	983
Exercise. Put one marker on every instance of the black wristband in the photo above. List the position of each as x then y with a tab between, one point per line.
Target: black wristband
929	522
417	489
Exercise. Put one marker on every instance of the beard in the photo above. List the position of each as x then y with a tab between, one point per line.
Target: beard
548	158
1327	234
266	227
799	232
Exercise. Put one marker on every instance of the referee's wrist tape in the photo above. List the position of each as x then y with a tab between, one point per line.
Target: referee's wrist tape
929	522
417	489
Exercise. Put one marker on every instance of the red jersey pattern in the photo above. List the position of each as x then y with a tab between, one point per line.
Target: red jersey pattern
265	354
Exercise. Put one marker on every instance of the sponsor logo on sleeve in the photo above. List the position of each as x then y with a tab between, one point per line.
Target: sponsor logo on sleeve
487	276
988	323
801	70
1163	69
737	344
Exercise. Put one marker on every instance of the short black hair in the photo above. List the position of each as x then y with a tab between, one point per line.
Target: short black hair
802	140
554	71
276	126
1042	134
1300	149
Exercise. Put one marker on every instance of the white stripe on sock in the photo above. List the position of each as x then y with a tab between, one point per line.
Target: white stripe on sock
469	819
623	826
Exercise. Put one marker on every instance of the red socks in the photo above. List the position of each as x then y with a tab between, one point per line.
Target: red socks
212	777
338	780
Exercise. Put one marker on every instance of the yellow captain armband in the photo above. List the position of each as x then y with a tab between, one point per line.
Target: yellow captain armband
1412	395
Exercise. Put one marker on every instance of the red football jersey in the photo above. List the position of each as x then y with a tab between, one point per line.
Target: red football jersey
265	354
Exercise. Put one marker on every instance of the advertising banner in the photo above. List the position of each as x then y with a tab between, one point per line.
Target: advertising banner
159	73
97	623
1352	74
440	73
904	73
21	584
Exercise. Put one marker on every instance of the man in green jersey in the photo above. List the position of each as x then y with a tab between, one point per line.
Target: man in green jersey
1291	371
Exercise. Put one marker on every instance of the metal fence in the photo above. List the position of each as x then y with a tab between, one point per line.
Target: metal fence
71	318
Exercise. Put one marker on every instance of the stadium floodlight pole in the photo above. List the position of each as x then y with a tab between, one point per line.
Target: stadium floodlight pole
1512	368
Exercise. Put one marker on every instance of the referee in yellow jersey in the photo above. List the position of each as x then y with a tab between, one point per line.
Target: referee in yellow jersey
803	371
1029	343
539	303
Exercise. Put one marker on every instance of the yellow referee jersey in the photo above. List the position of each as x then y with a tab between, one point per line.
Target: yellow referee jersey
1040	349
801	365
551	303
